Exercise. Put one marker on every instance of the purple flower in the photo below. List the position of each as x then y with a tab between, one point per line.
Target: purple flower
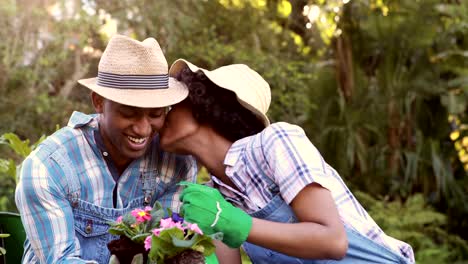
177	218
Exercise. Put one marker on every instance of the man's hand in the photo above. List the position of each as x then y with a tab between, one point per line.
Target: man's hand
206	207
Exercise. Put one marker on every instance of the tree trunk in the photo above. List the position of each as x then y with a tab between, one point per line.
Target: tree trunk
344	66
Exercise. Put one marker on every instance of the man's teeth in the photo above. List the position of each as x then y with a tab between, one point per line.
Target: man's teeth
137	140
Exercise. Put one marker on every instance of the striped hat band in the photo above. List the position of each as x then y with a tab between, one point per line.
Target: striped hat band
127	81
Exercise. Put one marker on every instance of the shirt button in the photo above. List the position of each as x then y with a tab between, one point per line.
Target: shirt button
105	154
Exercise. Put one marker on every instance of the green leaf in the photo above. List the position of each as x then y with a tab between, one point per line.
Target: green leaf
140	238
157	206
121	229
455	103
128	232
116	230
200	243
128	219
457	82
4	235
169	211
178	242
2	251
161	247
173	233
21	148
4	165
156	216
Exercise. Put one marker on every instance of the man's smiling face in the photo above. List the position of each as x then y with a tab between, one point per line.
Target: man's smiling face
127	131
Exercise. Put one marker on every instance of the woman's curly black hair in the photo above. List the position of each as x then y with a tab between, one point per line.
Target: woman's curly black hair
218	107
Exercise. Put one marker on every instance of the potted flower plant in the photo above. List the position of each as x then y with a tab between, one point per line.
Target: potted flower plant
154	235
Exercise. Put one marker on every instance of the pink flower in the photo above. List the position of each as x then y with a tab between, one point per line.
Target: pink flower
148	243
167	223
178	225
148	208
195	228
141	216
157	231
119	219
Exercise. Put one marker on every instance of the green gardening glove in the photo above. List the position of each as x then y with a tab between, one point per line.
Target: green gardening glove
206	207
211	259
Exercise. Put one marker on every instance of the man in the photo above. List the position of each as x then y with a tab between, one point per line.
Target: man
102	166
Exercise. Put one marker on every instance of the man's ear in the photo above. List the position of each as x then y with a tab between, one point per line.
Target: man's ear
98	102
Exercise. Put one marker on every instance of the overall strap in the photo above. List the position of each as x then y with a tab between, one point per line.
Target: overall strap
148	174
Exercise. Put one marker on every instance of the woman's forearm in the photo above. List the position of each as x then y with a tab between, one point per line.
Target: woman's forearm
304	240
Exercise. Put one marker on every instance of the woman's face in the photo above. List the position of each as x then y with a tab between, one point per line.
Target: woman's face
178	127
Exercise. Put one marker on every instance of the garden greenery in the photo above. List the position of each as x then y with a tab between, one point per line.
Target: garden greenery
379	86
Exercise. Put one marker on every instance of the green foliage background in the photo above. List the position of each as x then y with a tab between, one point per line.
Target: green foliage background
379	86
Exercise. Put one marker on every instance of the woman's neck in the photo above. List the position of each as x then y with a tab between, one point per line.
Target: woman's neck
210	149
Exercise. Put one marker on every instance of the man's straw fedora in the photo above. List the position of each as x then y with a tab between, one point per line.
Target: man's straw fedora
135	73
252	91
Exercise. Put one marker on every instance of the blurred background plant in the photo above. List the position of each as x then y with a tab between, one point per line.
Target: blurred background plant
380	87
2	250
9	167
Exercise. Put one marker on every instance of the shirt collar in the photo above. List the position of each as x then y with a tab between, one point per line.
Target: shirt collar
235	151
79	119
99	141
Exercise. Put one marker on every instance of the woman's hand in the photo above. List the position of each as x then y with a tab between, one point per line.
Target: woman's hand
206	207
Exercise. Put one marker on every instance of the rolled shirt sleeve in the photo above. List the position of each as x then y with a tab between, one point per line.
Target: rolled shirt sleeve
293	161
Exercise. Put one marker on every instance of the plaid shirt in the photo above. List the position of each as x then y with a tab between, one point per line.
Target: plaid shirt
41	193
285	154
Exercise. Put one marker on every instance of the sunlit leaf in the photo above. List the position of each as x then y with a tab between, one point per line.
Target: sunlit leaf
284	8
454	135
20	147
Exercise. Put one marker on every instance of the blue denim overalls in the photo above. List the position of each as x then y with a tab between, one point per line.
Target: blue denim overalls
91	221
360	248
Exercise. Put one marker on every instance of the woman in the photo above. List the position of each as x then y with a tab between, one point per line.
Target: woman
289	205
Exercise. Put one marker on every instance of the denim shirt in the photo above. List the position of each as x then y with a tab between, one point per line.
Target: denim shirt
66	197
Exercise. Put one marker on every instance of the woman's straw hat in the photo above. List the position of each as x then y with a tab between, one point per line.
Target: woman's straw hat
135	73
252	91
